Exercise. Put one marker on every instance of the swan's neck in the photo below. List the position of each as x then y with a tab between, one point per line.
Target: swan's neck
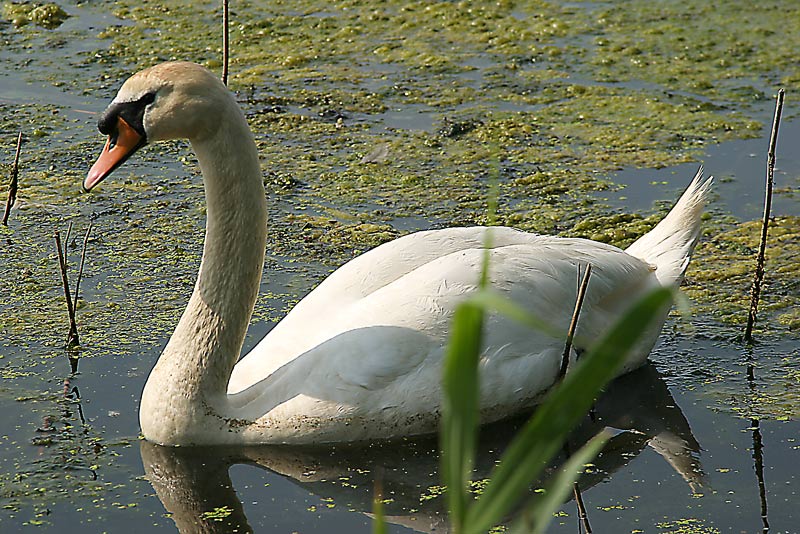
190	379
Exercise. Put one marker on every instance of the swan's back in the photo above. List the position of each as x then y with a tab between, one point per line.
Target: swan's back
416	281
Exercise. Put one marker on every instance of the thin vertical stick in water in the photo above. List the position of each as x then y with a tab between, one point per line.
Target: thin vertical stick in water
66	242
80	268
225	42
72	337
583	517
583	283
574	322
14	182
755	289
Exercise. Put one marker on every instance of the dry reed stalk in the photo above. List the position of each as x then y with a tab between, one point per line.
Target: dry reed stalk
72	337
755	288
574	322
583	517
225	41
80	268
66	241
14	182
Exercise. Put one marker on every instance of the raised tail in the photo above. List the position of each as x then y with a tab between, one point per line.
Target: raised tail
669	246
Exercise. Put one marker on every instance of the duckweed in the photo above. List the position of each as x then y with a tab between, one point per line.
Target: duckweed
546	99
49	16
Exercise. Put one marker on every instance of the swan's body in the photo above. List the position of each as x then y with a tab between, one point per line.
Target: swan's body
360	357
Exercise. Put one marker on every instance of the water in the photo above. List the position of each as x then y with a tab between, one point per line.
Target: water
739	168
686	451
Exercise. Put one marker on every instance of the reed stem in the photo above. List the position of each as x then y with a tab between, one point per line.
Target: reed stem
80	268
72	337
583	517
755	288
574	322
225	41
14	182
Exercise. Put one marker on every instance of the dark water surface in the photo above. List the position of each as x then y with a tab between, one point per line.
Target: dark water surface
693	451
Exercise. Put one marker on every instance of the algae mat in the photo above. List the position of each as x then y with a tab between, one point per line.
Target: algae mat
374	120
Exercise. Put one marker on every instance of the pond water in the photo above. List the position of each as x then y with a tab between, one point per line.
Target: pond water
697	447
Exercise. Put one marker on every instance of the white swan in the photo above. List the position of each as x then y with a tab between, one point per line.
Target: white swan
360	356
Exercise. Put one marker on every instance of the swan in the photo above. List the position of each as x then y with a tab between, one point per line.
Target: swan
360	357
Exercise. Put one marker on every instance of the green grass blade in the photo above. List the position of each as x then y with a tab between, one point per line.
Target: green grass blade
378	519
460	408
492	301
536	517
542	436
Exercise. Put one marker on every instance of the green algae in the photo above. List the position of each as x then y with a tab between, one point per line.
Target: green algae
721	273
71	454
707	49
633	128
217	514
49	16
689	525
554	97
356	235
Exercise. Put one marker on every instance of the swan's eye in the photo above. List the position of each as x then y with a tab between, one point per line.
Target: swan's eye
147	98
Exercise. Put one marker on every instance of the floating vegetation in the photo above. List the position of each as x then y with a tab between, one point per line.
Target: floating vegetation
721	271
217	514
372	121
686	526
49	16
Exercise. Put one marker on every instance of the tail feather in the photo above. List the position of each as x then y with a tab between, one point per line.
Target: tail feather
669	246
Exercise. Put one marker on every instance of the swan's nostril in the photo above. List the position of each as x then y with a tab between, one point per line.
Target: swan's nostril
112	139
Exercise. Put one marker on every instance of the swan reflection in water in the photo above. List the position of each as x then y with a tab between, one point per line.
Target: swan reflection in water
193	481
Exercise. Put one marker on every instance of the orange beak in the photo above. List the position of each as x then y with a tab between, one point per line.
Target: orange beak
119	147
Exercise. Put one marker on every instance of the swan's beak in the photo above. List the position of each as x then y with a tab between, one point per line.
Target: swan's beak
119	147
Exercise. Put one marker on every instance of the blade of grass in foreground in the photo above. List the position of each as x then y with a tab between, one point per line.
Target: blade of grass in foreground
536	517
378	516
460	408
542	436
491	301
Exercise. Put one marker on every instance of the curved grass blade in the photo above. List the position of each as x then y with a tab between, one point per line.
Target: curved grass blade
536	517
460	408
378	515
542	436
491	301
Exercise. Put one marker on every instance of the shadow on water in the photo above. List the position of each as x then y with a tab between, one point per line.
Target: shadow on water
195	487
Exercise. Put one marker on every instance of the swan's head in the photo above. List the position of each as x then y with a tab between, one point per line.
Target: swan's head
176	100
